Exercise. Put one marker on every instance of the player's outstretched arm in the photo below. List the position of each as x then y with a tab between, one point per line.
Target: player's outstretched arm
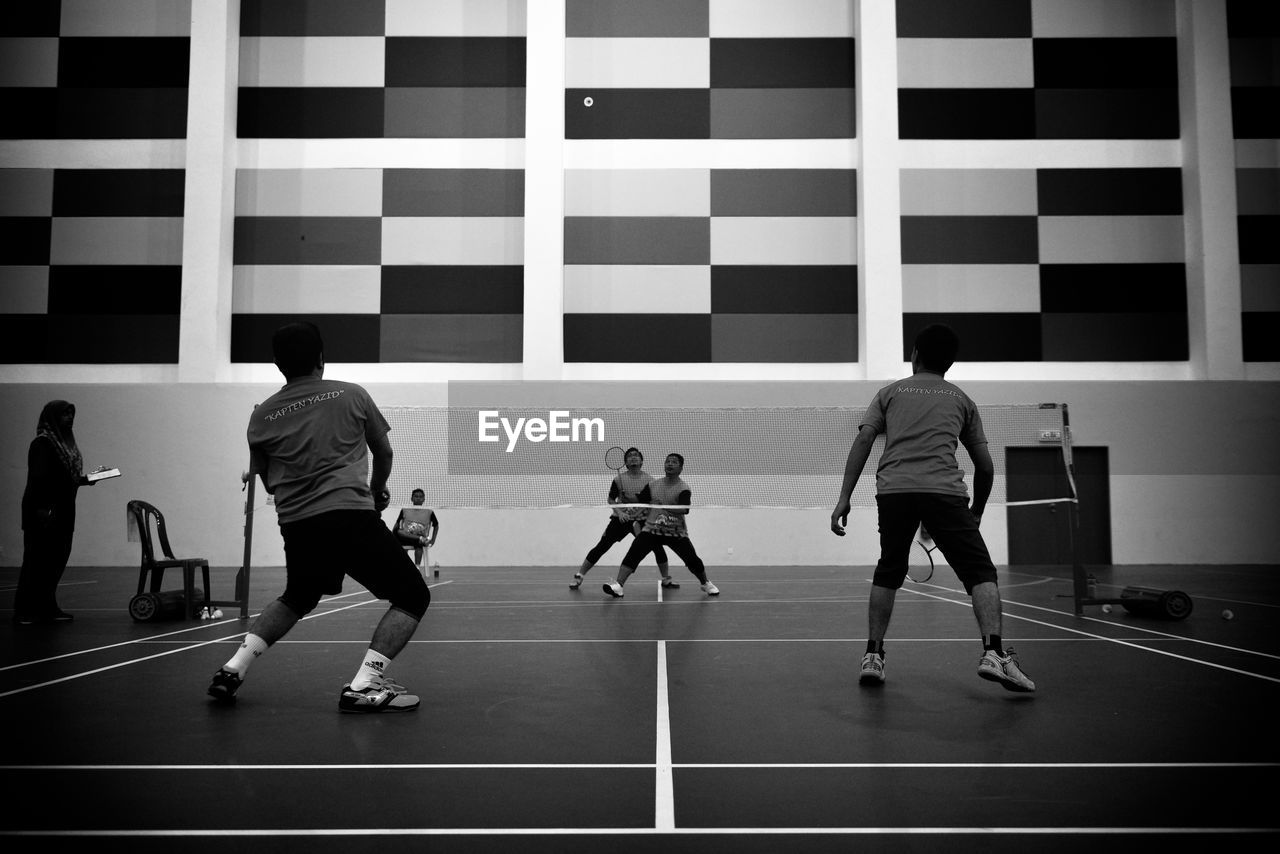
859	452
984	475
380	449
258	466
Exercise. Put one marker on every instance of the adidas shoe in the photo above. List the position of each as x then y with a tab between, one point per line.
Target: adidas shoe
710	589
1005	670
224	685
381	696
668	581
614	589
872	669
577	581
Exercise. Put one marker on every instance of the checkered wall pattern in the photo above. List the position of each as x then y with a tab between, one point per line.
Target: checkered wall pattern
1066	264
90	265
94	70
1052	264
1047	264
393	265
361	69
683	262
1037	69
91	259
1254	33
709	69
710	265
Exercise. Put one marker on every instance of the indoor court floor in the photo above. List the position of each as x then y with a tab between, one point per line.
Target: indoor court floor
564	721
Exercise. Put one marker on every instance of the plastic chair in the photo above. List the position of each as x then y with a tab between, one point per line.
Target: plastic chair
418	552
421	557
421	551
145	515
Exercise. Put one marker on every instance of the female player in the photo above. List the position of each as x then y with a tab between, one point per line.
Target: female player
664	526
626	488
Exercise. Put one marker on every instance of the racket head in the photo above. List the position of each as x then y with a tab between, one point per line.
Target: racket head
920	562
615	458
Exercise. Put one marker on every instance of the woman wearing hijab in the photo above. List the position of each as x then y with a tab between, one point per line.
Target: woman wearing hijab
55	472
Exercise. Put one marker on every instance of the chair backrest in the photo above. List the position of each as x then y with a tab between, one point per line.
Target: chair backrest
143	514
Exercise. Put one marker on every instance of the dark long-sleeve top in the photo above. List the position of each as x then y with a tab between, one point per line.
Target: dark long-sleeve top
50	496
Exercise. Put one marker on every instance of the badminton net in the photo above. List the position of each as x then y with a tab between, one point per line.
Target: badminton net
762	457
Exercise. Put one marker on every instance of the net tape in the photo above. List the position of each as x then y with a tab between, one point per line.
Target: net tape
738	457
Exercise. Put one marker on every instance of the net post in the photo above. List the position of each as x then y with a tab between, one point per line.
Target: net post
1079	579
242	577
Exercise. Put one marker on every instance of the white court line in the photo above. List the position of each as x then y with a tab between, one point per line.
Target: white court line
664	793
1157	633
81	675
619	831
61	584
664	796
187	648
1186	658
1035	766
649	641
1229	601
639	603
149	639
1114	586
1115	625
1036	583
557	582
628	766
914	590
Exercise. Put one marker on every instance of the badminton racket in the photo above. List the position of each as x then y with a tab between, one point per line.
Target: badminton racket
920	564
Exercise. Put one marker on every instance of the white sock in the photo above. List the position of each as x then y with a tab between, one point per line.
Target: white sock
375	664
252	647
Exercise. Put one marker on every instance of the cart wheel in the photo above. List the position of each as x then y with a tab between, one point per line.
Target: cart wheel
1176	605
144	607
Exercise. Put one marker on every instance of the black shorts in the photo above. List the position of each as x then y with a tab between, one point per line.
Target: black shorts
320	550
952	526
617	530
649	542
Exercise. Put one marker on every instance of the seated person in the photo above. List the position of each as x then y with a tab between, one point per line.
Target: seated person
417	526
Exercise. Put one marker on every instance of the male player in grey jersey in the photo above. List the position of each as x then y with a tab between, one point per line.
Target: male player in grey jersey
310	443
918	481
664	526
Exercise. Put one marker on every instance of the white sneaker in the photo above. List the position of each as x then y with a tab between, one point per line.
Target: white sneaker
1005	670
577	581
382	695
710	589
614	589
872	669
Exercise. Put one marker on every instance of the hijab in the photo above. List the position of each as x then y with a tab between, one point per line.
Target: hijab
62	439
